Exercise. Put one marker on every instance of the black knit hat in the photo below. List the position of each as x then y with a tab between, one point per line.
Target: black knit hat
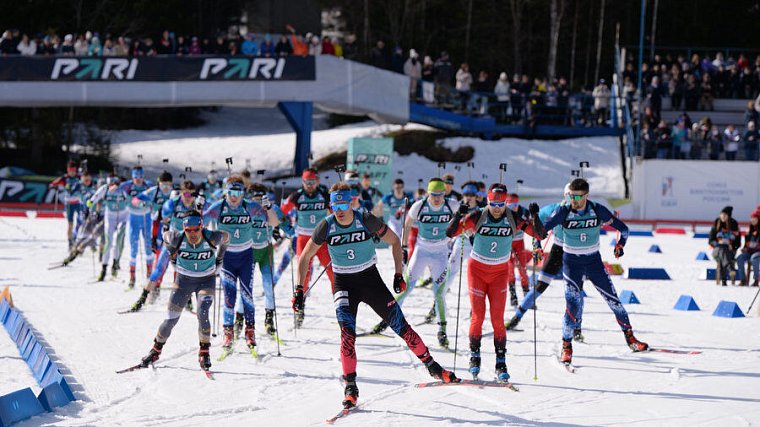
728	210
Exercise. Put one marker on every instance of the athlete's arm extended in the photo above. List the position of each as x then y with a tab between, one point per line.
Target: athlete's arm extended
608	218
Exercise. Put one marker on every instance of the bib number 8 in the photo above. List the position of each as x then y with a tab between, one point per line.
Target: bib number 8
493	247
313	219
350	254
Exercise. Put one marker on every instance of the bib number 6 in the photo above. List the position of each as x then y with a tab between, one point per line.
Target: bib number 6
583	237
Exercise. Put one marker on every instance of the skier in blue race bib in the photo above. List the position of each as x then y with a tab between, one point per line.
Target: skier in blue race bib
581	221
139	222
348	235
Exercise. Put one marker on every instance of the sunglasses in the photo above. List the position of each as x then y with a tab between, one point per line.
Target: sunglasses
235	193
441	194
310	181
192	229
187	194
512	205
576	197
340	206
164	186
497	204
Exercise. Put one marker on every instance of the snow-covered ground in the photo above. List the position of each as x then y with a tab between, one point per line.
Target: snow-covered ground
612	386
264	139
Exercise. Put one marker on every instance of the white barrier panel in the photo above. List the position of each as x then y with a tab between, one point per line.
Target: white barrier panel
694	190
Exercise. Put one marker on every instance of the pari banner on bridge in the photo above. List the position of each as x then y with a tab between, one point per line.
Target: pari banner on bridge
694	190
180	68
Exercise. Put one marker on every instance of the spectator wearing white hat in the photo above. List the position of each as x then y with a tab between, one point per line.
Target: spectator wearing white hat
413	69
67	48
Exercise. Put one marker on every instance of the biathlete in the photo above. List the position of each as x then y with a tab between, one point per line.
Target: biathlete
348	236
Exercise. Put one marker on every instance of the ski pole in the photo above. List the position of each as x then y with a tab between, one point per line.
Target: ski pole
270	248
536	244
293	282
753	300
459	303
314	282
216	297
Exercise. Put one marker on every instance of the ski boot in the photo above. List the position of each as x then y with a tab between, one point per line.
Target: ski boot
380	327
269	322
300	316
140	302
250	337
228	338
153	355
238	325
351	392
430	316
475	364
567	352
115	269
512	295
103	272
512	323
578	335
131	284
443	339
204	358
633	343
437	372
189	305
502	375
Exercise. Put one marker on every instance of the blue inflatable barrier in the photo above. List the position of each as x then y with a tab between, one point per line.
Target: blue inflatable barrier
640	233
655	249
19	405
702	257
628	297
728	309
710	274
602	232
648	274
686	303
701	235
53	396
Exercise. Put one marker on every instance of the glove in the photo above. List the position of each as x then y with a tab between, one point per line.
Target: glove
404	255
618	251
89	204
298	299
398	213
200	202
463	209
276	234
266	202
533	209
399	284
538	252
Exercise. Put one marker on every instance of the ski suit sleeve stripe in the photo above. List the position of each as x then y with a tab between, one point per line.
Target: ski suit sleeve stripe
607	217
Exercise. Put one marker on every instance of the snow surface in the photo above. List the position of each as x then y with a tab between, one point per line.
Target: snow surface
612	386
264	137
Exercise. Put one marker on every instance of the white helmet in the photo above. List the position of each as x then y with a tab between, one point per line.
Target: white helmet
566	191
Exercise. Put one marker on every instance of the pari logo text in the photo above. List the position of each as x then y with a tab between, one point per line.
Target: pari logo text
95	68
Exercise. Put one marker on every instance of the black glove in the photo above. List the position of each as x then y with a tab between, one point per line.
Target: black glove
298	299
404	255
619	251
200	202
399	284
463	209
276	234
533	209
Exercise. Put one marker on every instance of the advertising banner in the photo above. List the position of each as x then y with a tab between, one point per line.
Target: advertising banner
179	68
695	190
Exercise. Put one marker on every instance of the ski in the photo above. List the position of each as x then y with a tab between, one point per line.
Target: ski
568	366
276	338
254	353
56	266
127	311
131	368
671	351
225	353
342	414
471	383
209	374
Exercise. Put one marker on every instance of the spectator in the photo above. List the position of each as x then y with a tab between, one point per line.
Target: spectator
601	96
413	69
327	46
80	46
731	138
67	48
654	97
502	88
516	98
678	136
248	47
50	46
691	94
349	47
725	240
696	142
715	139
315	45
464	78
283	47
94	48
664	142
479	99
751	140
121	48
27	47
7	44
108	47
648	140
443	70
267	48
337	47
195	47
182	47
750	252
676	88
397	60
232	49
428	71
165	44
706	94
378	56
751	114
